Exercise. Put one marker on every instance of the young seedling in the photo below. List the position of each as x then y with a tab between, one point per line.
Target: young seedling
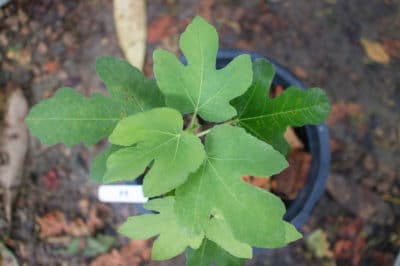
202	205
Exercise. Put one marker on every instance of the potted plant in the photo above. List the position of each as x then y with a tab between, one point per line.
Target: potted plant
192	170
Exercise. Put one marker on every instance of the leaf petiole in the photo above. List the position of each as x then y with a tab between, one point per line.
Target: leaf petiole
205	132
192	121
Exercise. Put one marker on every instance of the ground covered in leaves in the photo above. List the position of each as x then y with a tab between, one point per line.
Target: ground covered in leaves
349	48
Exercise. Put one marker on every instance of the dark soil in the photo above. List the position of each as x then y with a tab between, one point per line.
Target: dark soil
48	44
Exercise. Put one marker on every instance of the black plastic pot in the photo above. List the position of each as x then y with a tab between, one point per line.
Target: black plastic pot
316	140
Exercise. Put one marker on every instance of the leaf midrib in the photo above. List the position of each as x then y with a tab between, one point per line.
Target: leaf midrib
274	114
202	67
248	102
221	180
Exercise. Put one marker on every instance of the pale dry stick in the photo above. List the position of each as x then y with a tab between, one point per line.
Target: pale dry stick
13	146
130	23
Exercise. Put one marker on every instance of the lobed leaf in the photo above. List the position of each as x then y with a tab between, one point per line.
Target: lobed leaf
267	119
99	167
219	232
157	136
291	233
210	253
172	239
198	87
126	83
71	118
217	187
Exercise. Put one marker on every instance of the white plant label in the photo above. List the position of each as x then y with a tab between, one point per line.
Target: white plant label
121	194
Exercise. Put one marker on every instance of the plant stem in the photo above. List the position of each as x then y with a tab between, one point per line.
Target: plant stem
205	132
232	121
193	119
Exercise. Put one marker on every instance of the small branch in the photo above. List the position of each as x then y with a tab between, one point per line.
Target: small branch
205	132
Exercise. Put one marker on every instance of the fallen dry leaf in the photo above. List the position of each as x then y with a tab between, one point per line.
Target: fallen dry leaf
375	51
392	47
52	224
261	182
343	249
353	109
244	45
277	91
293	140
291	180
351	243
246	178
51	66
338	113
300	72
134	250
112	258
77	228
349	228
350	250
22	56
341	110
97	216
131	254
83	205
159	28
318	244
55	224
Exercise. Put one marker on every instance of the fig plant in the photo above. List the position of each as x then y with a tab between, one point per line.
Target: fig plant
193	172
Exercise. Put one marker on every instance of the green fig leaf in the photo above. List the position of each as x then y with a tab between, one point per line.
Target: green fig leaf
157	136
291	233
126	83
199	87
172	239
219	232
217	186
210	253
99	167
71	118
267	119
